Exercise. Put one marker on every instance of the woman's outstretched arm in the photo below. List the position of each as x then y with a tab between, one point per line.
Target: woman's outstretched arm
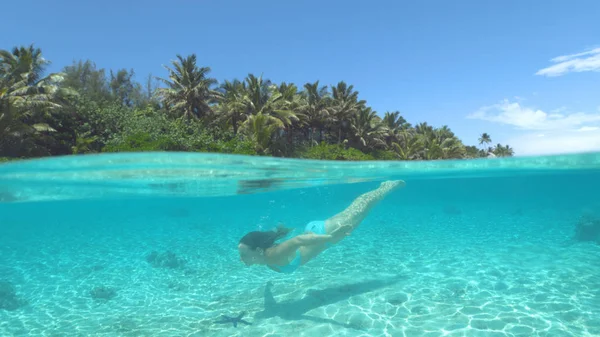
311	239
289	246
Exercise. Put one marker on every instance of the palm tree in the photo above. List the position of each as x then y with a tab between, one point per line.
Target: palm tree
11	128
259	129
21	79
293	102
188	88
290	95
345	103
395	121
275	117
509	151
503	151
472	152
368	130
232	107
408	145
257	94
453	148
23	63
259	106
439	143
263	97
395	124
423	128
316	109
485	139
25	95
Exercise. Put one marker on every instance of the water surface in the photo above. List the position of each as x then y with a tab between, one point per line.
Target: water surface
467	248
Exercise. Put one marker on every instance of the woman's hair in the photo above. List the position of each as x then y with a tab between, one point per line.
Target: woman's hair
264	240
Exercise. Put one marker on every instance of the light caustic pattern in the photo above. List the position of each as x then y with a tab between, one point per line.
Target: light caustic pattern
488	255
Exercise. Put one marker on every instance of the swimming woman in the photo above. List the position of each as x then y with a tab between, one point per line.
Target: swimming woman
260	248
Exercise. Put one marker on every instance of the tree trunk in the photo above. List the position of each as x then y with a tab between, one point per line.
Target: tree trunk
290	134
234	123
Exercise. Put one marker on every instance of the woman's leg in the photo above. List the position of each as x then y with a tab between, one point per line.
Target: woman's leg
360	207
352	216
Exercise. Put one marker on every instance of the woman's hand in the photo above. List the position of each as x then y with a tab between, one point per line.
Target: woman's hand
342	230
311	238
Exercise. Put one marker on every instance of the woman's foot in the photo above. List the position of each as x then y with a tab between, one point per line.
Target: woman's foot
391	185
344	223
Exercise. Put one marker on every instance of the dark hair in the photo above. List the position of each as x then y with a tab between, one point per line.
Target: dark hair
264	240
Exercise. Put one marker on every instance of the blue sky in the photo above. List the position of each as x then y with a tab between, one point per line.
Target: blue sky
527	72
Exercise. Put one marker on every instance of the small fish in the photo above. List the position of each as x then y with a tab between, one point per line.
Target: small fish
234	320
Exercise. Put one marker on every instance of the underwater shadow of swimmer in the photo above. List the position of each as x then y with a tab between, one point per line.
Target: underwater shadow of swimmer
296	309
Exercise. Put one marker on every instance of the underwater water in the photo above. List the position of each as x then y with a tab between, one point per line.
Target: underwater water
146	245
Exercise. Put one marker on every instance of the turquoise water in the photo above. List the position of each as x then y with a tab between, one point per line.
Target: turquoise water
467	248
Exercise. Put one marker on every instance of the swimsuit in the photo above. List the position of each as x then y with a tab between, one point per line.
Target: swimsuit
292	266
317	227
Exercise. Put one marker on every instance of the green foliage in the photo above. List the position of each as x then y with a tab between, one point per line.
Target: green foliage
83	144
29	102
148	130
237	146
188	92
101	121
384	155
141	142
87	80
85	109
7	159
325	151
502	151
473	152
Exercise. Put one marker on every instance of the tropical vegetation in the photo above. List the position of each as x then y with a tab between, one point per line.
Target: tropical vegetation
85	109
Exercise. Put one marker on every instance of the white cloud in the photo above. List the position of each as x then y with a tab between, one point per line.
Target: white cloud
527	118
544	133
588	128
580	62
561	142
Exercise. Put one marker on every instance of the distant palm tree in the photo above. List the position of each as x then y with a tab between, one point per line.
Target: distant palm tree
485	139
509	150
503	151
189	90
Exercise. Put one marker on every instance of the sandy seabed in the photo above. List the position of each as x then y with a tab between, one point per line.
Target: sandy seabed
430	272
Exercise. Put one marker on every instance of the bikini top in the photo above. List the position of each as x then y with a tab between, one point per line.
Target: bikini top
290	267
